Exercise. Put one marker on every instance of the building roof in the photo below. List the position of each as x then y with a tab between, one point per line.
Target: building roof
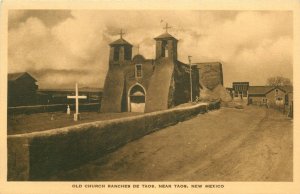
259	89
207	64
287	89
165	35
15	76
186	65
120	41
199	65
267	89
241	83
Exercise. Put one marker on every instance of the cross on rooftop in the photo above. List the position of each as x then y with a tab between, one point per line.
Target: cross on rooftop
121	33
189	57
76	97
138	49
167	27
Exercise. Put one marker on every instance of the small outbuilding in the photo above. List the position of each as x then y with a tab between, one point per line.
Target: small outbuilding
22	89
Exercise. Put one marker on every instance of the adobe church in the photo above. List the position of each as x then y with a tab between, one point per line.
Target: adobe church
145	85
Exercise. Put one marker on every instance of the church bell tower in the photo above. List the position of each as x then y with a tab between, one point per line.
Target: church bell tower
120	51
166	45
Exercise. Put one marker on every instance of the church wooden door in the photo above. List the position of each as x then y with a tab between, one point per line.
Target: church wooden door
136	99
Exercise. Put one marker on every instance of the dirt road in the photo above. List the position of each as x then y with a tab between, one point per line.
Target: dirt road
251	144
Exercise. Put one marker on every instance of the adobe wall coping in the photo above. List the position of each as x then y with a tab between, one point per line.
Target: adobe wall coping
97	124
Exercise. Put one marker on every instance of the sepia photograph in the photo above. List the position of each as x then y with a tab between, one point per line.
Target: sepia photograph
149	95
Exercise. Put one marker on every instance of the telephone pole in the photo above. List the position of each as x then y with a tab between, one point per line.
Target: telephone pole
191	82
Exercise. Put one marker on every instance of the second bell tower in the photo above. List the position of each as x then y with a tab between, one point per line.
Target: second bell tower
120	50
166	45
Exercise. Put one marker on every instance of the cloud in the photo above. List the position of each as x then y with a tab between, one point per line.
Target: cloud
35	48
252	45
49	17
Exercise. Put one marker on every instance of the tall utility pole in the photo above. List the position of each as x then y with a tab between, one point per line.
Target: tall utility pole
191	82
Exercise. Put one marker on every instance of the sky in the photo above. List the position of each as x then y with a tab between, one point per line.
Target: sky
61	47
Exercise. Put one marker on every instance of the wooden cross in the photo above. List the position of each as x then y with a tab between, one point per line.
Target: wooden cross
167	27
121	33
77	97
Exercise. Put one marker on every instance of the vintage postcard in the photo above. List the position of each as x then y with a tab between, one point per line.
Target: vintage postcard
149	96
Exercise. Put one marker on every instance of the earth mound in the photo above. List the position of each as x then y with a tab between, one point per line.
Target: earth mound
218	93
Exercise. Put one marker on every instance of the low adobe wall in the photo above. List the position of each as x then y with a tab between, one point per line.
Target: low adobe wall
38	155
51	108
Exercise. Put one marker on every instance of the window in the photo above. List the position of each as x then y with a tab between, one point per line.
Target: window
138	70
276	92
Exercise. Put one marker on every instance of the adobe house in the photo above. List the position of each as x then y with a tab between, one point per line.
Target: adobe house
240	90
137	84
257	94
273	96
276	96
22	88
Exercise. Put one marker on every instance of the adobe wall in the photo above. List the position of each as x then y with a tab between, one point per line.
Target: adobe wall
38	155
210	74
182	92
256	100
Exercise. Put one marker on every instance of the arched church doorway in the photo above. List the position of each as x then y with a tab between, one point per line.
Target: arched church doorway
136	98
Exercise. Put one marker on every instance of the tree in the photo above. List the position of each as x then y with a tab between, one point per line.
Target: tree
279	81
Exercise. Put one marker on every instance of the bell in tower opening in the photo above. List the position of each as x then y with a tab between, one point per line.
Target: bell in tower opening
166	51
